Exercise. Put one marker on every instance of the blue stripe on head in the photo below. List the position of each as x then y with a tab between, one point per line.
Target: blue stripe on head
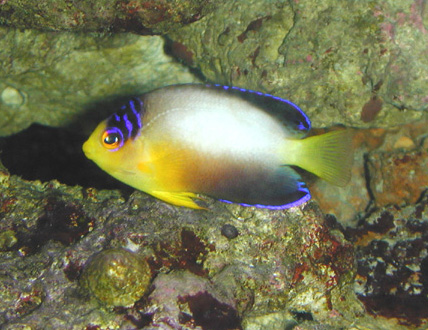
128	125
127	121
132	104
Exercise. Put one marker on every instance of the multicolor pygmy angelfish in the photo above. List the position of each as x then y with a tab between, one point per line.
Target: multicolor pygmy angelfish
233	144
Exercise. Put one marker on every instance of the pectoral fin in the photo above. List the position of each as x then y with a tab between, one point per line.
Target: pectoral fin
178	198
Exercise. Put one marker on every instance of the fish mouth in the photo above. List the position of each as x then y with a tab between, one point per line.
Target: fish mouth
86	150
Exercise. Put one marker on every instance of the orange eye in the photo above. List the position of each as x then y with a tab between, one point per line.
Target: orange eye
111	140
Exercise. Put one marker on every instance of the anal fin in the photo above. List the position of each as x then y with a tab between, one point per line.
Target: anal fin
178	198
271	188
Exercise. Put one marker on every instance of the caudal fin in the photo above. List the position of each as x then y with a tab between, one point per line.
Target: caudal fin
329	155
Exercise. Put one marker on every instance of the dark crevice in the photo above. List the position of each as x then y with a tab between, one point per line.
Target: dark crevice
370	208
46	153
367	176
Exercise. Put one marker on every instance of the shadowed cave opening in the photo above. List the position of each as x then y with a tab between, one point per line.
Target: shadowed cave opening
46	153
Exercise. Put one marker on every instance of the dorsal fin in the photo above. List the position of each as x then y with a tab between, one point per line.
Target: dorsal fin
288	113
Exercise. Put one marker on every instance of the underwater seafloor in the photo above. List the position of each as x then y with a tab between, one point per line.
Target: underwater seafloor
79	250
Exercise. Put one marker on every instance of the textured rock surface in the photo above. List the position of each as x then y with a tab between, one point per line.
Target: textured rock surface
398	177
140	16
392	254
185	299
360	63
280	261
54	78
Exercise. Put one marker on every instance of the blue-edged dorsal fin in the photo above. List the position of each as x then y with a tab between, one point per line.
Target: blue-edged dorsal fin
288	113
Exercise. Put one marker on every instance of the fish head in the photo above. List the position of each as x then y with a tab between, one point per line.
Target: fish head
112	144
106	147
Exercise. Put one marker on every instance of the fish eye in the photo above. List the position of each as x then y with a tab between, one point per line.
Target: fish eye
111	140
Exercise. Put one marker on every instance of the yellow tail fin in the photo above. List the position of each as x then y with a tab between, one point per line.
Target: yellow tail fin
329	155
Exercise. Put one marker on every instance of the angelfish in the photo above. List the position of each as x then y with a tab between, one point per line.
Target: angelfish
229	143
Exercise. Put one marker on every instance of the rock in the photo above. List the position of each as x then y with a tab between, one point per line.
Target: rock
64	78
282	260
106	15
229	231
180	299
405	143
393	264
358	65
398	177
